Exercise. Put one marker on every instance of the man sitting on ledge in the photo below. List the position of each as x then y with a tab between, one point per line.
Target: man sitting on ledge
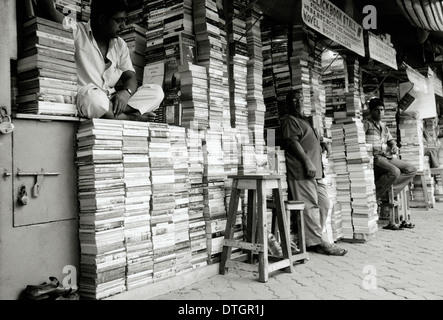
102	59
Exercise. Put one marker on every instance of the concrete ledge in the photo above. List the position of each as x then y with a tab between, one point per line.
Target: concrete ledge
162	287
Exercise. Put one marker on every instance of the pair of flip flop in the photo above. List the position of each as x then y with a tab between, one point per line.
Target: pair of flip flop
404	225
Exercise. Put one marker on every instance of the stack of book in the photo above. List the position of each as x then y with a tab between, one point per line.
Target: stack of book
335	81
412	147
225	78
101	195
281	165
280	66
418	190
181	190
194	96
197	229
210	55
47	73
361	177
272	117
154	12
137	177
256	104
135	37
300	63
248	162
162	201
230	160
239	111
353	96
214	190
338	155
390	100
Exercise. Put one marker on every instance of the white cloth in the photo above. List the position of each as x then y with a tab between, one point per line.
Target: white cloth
93	102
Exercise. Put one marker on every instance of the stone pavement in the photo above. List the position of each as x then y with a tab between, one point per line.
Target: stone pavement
394	265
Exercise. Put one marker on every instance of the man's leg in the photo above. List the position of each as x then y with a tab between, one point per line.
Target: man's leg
387	173
323	205
407	173
306	191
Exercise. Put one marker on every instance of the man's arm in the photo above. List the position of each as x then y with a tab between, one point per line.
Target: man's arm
121	97
48	8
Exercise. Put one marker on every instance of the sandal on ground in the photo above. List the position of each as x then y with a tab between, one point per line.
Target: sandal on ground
393	227
407	224
328	249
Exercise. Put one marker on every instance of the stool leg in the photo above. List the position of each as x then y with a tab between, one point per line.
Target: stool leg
283	225
262	233
230	224
425	190
301	232
251	217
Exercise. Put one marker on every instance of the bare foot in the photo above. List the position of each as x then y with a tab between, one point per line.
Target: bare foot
132	117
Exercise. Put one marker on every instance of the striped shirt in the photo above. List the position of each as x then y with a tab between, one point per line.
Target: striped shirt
378	136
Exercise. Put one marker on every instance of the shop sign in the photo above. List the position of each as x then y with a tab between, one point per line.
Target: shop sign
382	52
329	20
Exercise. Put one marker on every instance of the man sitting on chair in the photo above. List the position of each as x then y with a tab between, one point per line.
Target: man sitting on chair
388	170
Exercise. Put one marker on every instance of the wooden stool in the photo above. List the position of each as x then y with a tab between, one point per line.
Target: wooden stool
425	203
295	207
404	211
257	230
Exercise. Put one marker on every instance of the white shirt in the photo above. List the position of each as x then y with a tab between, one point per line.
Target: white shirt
91	66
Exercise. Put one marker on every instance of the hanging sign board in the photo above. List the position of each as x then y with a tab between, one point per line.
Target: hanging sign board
329	20
438	90
422	89
382	52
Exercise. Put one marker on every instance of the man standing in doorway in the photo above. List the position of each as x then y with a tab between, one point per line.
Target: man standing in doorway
303	151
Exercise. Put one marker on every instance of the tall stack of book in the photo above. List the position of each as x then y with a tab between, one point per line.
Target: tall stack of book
162	201
135	37
154	12
361	177
137	177
300	63
412	147
225	78
390	100
353	97
272	117
181	190
210	55
281	165
246	151
47	73
214	190
338	155
194	96
101	195
335	81
179	45
280	66
256	104
239	110
197	227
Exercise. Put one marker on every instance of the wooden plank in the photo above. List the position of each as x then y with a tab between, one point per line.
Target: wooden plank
262	232
282	264
255	247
